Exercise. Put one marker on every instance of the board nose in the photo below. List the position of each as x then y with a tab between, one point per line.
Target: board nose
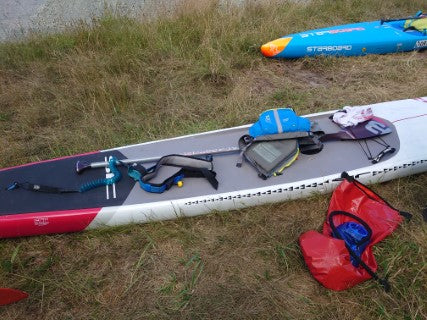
273	48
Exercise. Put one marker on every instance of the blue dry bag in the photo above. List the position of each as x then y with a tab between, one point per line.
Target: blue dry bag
278	121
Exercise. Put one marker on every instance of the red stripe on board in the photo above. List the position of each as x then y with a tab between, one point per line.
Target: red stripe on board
419	116
37	223
50	160
421	99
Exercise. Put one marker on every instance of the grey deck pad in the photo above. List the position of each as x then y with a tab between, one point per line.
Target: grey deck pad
336	156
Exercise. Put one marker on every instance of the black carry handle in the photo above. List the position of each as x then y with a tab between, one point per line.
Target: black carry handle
380	155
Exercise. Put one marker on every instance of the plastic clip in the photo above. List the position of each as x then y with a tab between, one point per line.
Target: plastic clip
13	186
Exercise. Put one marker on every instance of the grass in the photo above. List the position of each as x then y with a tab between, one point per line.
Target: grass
125	81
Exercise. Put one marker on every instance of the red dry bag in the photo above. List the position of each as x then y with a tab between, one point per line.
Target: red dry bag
330	258
8	296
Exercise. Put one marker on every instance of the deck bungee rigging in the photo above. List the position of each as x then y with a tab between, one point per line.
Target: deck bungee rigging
360	122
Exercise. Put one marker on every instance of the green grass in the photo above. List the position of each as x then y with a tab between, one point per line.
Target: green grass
125	81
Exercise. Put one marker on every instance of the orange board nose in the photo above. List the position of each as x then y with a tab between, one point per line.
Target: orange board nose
274	47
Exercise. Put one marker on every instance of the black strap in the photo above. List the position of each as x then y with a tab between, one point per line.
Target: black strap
340	135
310	145
211	177
354	217
383	281
40	188
406	215
188	172
425	214
190	167
279	136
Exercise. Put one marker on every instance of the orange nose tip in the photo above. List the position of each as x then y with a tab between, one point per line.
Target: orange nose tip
274	47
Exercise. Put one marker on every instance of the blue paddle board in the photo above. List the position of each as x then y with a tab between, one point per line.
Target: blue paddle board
375	37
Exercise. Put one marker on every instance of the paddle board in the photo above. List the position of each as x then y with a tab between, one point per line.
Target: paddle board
347	40
24	213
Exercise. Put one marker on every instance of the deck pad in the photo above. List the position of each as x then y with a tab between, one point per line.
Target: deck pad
336	155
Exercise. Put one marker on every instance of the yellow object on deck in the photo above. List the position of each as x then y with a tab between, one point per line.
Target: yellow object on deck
417	24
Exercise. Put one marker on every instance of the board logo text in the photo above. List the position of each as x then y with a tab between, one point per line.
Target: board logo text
41	222
421	43
329	48
334	31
